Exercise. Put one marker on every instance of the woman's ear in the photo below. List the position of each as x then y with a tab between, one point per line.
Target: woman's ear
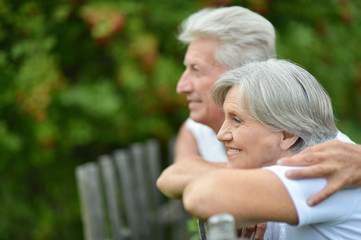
288	140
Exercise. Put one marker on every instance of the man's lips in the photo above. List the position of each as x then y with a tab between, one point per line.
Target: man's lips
193	103
191	99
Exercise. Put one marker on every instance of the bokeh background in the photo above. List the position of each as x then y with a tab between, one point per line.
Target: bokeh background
80	78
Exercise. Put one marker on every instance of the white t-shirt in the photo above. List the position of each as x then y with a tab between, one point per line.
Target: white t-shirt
208	145
213	150
338	217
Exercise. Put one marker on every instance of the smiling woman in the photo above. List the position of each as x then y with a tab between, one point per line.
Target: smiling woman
250	143
281	96
273	109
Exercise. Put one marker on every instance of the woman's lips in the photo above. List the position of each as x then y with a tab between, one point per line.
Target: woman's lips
231	151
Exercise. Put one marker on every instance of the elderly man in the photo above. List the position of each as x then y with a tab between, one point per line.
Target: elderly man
223	39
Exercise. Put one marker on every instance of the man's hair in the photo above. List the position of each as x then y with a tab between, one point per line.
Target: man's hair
282	96
244	36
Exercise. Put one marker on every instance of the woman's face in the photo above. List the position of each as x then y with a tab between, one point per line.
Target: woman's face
249	143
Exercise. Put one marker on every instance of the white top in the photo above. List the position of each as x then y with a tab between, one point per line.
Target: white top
208	145
338	217
213	150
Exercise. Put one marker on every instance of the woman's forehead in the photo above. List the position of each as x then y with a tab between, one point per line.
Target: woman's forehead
237	99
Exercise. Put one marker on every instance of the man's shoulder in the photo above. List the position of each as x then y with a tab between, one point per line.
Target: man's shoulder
194	126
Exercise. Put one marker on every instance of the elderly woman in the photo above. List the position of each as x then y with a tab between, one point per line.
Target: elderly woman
273	109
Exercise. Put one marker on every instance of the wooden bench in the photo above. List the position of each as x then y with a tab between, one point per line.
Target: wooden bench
119	199
202	229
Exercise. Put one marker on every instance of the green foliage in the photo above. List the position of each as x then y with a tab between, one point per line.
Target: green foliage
81	78
192	228
324	39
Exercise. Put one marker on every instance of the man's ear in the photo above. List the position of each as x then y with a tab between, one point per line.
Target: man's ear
288	140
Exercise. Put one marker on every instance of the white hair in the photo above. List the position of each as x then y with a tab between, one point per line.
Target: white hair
244	36
284	97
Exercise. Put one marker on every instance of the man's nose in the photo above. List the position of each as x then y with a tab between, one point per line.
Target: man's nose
185	85
224	134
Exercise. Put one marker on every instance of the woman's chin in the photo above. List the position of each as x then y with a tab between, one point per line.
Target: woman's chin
233	164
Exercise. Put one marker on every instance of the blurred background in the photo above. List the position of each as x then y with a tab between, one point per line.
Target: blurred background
80	78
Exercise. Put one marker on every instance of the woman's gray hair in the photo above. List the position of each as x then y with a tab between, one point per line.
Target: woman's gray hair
244	36
284	97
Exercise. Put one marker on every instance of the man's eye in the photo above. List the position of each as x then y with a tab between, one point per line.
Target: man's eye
194	68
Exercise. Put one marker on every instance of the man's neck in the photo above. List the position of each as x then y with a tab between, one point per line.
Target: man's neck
216	126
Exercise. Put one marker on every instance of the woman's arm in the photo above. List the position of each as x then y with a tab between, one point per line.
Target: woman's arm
251	196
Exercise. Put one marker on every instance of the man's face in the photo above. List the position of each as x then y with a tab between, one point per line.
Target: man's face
197	80
249	143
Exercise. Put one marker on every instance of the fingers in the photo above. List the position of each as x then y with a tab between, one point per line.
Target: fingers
304	158
310	156
331	188
336	179
321	196
314	171
260	230
248	231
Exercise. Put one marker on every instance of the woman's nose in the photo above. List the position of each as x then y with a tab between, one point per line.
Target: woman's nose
224	134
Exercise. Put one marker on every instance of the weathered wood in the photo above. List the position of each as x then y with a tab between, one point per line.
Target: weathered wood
133	208
108	172
153	153
171	146
91	201
127	186
142	186
202	229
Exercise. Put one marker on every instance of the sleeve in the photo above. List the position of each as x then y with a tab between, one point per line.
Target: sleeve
335	208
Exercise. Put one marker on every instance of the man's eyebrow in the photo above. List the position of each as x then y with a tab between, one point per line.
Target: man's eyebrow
190	63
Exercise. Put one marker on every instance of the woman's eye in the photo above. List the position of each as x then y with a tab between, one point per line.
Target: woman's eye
237	120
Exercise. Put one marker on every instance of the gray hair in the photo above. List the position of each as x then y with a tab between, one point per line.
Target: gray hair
244	36
284	97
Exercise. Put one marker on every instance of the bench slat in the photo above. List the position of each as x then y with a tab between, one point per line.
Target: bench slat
142	186
132	212
117	226
153	156
91	201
